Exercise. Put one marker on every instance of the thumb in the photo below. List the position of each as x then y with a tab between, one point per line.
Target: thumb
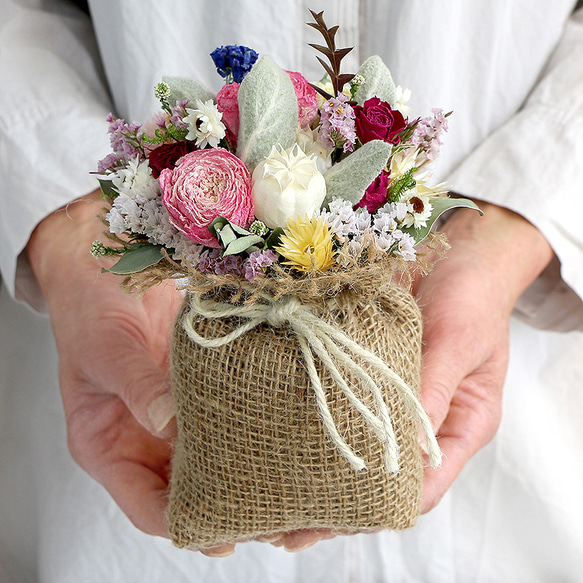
145	390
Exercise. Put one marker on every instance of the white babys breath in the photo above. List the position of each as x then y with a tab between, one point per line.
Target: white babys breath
405	245
204	124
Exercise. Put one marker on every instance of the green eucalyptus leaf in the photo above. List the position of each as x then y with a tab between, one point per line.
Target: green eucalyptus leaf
226	235
378	82
182	88
217	225
350	178
137	258
274	238
242	244
268	112
240	230
440	205
107	188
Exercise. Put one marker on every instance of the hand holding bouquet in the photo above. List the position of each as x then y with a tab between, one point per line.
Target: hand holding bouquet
288	212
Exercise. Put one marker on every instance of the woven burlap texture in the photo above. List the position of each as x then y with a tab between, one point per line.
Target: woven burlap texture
252	456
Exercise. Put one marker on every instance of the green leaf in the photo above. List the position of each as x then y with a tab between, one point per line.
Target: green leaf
268	112
217	225
240	230
107	188
350	178
274	238
182	88
242	244
137	258
226	235
377	82
440	205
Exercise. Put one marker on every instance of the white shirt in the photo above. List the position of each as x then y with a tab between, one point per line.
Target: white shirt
515	513
508	144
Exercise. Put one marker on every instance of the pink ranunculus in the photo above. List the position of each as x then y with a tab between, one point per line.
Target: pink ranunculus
307	99
229	106
376	194
204	185
377	120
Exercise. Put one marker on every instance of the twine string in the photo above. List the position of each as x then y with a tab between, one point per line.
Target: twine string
329	344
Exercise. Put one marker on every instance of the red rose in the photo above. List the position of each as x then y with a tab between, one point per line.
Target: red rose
375	120
376	194
166	155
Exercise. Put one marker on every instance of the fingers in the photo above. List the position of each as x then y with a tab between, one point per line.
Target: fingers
140	493
143	387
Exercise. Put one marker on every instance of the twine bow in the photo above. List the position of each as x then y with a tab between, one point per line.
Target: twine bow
329	344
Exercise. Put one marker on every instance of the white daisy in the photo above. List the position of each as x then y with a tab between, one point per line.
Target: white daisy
204	124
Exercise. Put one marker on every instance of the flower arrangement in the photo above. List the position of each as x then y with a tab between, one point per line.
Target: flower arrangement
274	174
286	206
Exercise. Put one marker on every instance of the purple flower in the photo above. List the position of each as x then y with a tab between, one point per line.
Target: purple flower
257	262
208	260
108	163
229	265
126	139
429	132
337	126
179	113
234	61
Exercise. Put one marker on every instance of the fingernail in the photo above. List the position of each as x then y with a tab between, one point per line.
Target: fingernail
161	411
268	538
218	554
297	549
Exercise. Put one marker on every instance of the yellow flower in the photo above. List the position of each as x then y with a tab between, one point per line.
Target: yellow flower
307	244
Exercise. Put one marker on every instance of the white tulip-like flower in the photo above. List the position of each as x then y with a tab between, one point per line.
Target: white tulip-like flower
286	185
308	140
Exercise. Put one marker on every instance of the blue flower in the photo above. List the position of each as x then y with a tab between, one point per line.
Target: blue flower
234	61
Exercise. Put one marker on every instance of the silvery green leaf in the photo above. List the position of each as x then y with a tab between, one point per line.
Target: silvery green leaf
268	112
136	259
242	244
226	235
182	88
350	178
377	82
440	205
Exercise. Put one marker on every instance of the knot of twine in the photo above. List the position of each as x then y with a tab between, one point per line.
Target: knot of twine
329	344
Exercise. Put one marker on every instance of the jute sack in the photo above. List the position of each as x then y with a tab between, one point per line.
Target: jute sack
253	456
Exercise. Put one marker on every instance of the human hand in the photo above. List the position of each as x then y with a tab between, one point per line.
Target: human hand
466	303
113	364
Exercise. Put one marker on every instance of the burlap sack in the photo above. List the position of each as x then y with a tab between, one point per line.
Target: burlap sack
252	455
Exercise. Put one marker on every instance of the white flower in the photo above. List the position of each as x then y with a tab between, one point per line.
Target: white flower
204	124
384	241
308	140
402	97
418	210
136	180
406	245
286	185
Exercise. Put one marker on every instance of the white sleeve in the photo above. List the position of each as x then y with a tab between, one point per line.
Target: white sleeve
52	130
533	165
